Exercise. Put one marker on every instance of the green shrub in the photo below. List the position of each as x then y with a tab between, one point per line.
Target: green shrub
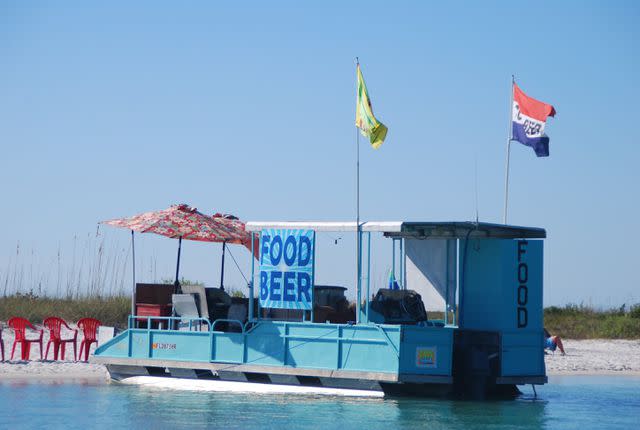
582	322
183	281
236	293
634	312
111	311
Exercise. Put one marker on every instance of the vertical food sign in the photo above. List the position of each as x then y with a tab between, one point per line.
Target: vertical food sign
287	268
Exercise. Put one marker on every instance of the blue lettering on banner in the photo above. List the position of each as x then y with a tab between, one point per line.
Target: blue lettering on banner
287	269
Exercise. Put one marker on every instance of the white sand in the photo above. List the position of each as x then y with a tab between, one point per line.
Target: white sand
605	357
47	369
52	370
596	357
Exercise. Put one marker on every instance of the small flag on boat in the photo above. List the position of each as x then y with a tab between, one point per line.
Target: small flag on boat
529	117
393	284
365	121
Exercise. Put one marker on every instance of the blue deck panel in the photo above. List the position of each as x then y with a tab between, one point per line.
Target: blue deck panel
437	339
362	347
227	348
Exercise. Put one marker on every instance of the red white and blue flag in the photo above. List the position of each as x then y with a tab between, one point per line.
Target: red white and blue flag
529	117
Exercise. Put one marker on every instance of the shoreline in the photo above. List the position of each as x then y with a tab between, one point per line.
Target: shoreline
632	373
595	357
70	372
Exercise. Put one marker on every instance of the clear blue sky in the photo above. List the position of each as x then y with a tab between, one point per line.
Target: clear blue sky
109	109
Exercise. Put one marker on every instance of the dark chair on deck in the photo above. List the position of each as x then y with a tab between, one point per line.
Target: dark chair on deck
19	327
55	325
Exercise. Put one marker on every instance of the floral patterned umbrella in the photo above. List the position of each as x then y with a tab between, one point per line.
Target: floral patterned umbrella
184	222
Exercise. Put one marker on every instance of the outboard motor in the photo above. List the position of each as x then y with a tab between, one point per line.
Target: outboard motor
476	365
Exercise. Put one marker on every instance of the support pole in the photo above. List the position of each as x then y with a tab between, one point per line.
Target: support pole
253	275
133	291
368	296
456	295
358	252
393	257
313	278
509	138
358	243
224	247
177	281
402	273
446	290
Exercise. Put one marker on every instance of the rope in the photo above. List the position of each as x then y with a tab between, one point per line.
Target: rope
236	263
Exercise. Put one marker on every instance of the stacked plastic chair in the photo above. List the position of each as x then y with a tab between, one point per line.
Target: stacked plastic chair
19	326
55	325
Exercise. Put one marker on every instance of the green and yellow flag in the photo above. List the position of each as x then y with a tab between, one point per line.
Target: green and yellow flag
365	121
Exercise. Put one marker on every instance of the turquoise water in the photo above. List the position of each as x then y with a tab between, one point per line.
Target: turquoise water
572	402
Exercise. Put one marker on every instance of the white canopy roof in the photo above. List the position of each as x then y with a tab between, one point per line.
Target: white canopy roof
380	226
410	229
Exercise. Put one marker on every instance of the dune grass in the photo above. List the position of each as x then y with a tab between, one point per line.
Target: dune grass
111	311
582	322
571	321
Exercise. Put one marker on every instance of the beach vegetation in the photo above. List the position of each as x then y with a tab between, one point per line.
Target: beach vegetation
110	310
183	281
584	322
571	321
233	292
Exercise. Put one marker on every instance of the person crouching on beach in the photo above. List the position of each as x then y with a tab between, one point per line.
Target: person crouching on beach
551	342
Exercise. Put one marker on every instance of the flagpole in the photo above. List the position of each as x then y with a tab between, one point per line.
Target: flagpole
509	138
133	259
357	216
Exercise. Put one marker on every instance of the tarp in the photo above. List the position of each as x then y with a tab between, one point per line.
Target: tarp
431	271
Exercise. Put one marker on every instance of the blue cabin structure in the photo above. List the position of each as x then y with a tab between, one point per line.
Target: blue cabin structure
485	279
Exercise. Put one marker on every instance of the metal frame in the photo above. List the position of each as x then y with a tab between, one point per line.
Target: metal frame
253	278
421	229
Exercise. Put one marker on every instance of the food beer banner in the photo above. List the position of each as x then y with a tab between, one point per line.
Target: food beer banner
287	268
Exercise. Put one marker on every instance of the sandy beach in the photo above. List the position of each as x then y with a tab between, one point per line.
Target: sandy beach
48	369
593	357
596	357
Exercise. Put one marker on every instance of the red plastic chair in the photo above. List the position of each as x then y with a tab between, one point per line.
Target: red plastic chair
54	325
89	327
19	326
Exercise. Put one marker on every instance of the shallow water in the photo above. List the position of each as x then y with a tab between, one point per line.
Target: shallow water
573	402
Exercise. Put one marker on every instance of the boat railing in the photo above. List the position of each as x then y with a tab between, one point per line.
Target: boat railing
181	323
284	343
190	323
228	321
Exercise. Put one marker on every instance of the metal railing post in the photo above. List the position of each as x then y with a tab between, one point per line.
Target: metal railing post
253	277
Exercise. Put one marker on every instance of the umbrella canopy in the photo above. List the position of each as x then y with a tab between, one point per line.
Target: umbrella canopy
183	221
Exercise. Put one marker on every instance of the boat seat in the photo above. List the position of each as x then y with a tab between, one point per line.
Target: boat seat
184	306
201	299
